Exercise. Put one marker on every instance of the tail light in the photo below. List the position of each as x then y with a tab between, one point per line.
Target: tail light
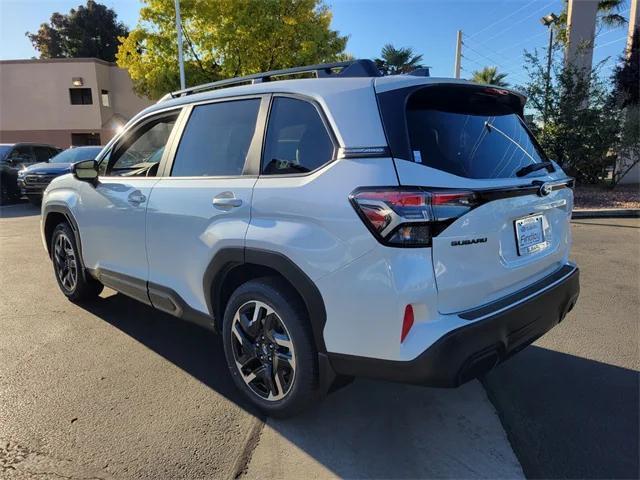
410	216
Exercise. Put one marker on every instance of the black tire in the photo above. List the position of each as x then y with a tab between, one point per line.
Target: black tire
303	387
35	200
79	287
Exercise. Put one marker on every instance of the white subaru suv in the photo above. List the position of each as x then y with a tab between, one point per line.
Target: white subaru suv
402	227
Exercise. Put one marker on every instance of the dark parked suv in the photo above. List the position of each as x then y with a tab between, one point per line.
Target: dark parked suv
34	179
16	156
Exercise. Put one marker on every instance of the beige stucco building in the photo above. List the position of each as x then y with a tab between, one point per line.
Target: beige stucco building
64	102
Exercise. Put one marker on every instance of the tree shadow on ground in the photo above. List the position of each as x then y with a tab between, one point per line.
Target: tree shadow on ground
568	417
20	209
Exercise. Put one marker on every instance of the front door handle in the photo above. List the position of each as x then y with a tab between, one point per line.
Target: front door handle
226	201
136	198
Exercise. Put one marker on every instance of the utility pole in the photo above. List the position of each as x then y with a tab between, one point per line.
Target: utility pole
548	21
456	68
634	13
180	59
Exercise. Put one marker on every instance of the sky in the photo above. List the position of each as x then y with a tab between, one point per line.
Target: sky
495	32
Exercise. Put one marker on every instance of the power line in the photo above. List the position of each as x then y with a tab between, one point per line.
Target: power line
511	74
502	19
488	58
602	34
609	43
535	12
526	40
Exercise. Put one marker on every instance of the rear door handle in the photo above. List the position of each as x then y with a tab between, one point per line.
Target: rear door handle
226	201
136	198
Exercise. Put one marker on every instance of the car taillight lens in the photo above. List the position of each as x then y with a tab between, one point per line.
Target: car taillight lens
410	217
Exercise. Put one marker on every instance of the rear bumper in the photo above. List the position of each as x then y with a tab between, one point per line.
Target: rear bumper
495	332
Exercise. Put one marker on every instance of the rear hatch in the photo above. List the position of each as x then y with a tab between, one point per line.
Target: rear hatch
510	225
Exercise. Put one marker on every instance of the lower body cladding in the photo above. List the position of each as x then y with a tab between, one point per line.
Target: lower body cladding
470	343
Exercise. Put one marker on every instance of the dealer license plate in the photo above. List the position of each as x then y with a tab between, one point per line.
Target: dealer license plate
530	235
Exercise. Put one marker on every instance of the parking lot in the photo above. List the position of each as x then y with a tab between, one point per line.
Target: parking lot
118	390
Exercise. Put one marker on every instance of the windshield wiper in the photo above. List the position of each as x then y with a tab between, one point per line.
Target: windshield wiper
529	168
534	167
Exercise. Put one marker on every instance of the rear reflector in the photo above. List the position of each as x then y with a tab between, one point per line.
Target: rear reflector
407	322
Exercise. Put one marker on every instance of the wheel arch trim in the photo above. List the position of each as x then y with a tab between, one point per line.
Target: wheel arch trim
229	258
66	211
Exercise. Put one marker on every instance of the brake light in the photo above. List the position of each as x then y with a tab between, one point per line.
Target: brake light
410	217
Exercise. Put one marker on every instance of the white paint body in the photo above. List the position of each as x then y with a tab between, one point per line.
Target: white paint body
170	238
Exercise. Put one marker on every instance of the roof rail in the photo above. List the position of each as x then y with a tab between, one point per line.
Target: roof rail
351	68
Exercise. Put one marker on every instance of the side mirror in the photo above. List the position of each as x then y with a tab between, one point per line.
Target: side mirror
86	170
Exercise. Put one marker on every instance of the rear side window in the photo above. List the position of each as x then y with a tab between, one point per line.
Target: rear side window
469	132
216	139
297	139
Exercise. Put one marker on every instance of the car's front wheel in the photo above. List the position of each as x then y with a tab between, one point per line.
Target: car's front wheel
73	280
269	347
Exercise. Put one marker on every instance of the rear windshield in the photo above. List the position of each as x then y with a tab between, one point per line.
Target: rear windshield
472	132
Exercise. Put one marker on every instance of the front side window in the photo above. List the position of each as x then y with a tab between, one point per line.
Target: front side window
297	139
216	139
140	151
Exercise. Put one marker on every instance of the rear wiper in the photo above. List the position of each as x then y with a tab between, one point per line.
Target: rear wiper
529	168
534	167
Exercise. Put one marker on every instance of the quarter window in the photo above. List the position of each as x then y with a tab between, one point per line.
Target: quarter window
297	139
216	139
140	153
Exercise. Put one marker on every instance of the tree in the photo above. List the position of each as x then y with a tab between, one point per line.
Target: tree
581	128
226	38
608	16
88	31
626	76
626	90
394	60
490	76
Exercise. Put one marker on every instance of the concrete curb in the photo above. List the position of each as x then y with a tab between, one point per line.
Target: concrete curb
607	213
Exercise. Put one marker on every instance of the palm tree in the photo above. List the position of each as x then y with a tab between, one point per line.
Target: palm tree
608	16
397	60
490	76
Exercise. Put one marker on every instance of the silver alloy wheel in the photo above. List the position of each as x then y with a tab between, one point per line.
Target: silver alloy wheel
65	262
263	350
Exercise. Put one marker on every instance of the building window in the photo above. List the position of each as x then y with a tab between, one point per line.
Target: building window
82	139
80	96
105	98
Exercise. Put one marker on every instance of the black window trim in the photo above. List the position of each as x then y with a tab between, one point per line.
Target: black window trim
151	117
255	150
325	122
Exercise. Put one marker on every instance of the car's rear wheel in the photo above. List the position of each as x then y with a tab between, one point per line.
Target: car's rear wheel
269	347
72	278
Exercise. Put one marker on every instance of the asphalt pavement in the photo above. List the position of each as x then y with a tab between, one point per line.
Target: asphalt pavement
119	390
570	402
